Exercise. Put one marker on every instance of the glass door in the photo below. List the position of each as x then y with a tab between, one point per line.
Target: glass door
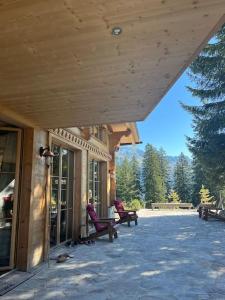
62	179
9	172
95	185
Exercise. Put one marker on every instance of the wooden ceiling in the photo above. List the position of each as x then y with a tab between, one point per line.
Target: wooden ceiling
60	66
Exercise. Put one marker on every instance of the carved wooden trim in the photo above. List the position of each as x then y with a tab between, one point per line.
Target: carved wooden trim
80	143
115	137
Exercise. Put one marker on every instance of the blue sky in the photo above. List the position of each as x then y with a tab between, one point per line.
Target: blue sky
168	124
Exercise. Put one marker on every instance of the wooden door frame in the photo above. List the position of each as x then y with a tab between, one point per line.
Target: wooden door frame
15	195
64	145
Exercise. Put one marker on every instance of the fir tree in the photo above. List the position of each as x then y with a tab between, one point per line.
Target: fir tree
154	186
182	179
205	195
199	178
126	189
136	177
164	170
208	75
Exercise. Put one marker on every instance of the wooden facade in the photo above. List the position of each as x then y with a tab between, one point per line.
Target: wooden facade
42	216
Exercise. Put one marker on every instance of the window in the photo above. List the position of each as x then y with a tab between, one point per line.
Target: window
100	133
95	185
9	163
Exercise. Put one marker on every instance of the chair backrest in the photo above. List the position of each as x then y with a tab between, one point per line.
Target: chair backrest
94	217
120	208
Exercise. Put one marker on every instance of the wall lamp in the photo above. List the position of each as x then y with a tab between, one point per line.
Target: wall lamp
47	154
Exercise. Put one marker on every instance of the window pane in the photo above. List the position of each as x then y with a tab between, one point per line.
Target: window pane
63	222
54	200
70	199
64	182
5	241
70	223
7	182
55	165
71	164
64	163
63	199
8	141
55	183
53	233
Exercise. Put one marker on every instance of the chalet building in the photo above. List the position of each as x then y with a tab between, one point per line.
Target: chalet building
43	198
65	67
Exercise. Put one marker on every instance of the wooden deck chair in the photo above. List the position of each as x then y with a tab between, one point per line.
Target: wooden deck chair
212	210
103	226
125	215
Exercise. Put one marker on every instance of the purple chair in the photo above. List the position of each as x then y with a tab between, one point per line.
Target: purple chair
103	226
125	215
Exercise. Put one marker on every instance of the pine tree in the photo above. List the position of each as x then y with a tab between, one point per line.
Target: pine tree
174	197
125	181
208	75
199	178
182	179
164	165
205	195
154	186
136	177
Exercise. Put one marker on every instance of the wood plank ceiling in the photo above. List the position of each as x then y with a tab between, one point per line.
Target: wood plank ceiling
60	66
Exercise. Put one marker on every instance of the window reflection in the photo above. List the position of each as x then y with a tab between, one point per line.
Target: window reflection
8	144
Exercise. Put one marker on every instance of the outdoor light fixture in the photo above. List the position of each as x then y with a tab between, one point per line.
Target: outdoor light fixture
116	31
47	154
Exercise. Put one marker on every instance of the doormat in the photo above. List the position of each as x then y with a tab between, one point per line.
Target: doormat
12	279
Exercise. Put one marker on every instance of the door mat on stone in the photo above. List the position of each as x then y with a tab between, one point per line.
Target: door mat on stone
12	279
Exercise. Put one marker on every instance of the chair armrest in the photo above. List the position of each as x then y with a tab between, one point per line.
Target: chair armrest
101	221
105	219
124	211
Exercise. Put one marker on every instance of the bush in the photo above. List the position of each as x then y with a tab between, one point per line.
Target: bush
135	204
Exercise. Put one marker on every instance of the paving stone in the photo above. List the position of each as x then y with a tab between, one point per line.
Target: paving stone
170	255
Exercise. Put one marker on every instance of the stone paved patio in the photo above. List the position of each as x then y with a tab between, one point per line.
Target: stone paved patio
169	255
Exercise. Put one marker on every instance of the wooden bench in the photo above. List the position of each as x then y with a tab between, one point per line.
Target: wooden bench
160	205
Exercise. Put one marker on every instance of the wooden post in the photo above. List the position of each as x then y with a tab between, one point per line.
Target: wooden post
23	242
114	143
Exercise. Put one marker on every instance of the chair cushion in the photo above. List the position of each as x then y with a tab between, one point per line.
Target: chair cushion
119	207
94	217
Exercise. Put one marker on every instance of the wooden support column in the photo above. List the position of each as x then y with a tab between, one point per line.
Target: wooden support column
114	143
112	173
31	241
22	261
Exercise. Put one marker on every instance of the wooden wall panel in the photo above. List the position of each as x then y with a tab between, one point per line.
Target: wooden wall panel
66	68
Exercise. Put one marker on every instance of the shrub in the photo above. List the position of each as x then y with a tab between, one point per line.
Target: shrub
135	204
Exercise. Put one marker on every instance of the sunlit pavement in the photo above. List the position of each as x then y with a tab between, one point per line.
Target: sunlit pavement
169	255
